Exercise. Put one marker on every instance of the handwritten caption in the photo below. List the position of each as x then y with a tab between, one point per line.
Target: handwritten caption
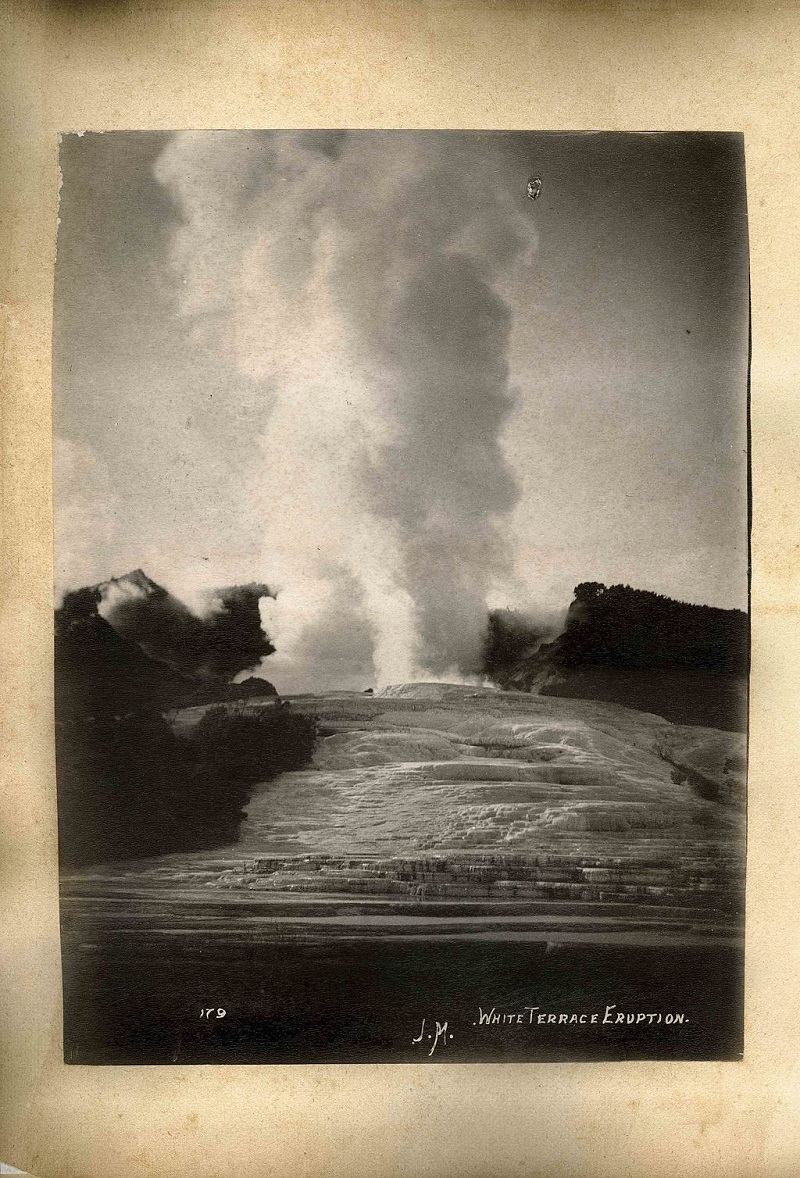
435	1034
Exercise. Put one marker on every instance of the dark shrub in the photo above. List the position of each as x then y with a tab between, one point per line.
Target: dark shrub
128	787
253	742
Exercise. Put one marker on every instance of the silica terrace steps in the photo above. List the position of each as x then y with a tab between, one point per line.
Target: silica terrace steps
461	814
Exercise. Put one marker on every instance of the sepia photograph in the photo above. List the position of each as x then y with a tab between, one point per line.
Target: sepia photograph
401	497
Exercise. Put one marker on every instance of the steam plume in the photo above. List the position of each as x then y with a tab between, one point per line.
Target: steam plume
364	282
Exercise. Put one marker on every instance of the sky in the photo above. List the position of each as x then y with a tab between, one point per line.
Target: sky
367	369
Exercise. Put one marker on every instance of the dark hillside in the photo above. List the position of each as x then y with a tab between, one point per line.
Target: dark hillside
228	639
688	663
624	627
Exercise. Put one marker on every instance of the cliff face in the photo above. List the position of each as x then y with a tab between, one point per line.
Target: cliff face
687	663
226	640
123	662
99	672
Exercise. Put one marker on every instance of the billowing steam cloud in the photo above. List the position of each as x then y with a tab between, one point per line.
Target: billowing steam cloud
364	281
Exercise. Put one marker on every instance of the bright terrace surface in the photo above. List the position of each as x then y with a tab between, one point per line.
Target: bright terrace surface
453	812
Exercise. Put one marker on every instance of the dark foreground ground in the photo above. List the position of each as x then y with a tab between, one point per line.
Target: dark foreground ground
365	1002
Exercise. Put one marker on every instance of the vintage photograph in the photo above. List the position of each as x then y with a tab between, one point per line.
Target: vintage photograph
401	595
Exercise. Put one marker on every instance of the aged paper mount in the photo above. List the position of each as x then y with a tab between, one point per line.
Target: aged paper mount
662	67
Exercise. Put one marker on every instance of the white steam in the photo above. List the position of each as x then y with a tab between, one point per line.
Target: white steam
365	282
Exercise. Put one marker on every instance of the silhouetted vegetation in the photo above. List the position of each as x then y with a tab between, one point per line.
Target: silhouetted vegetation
685	662
127	785
624	627
253	743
